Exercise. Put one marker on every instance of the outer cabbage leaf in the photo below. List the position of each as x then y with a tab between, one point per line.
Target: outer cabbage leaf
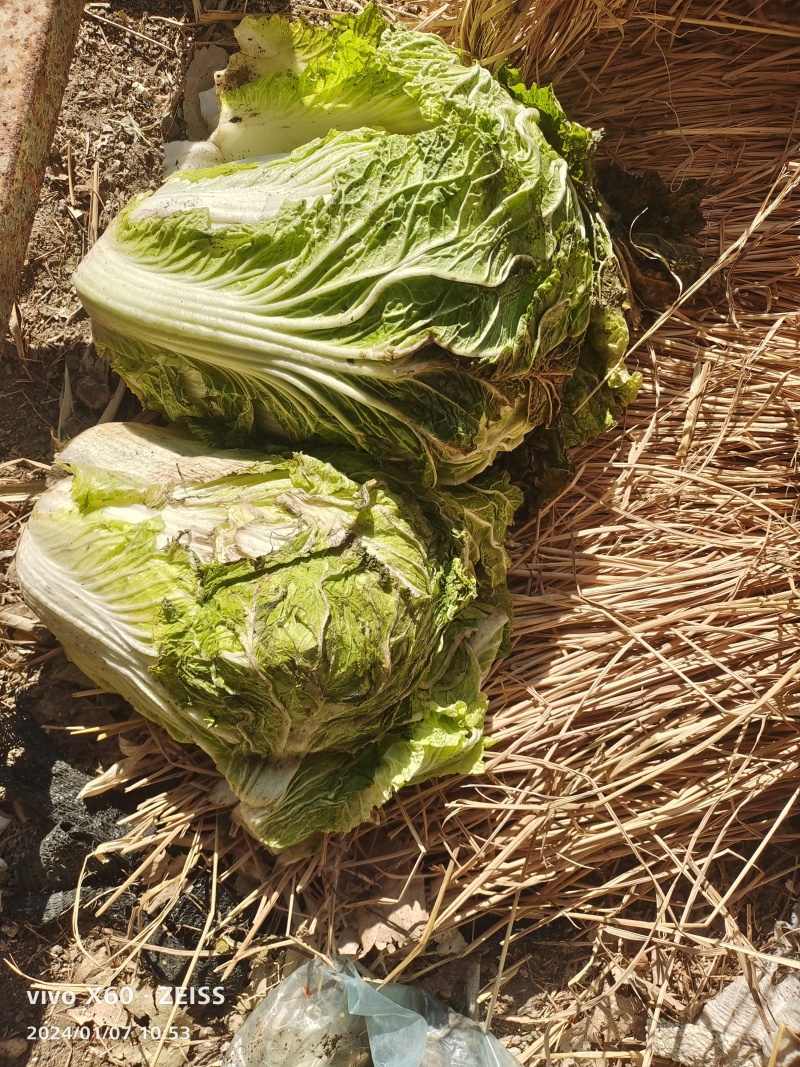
317	627
340	84
333	791
577	144
600	388
363	71
276	45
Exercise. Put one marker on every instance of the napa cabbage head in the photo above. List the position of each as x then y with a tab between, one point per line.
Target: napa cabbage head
318	627
388	254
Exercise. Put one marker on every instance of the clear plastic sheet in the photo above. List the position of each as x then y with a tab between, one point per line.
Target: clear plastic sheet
322	1016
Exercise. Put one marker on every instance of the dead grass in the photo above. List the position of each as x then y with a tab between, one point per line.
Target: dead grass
643	784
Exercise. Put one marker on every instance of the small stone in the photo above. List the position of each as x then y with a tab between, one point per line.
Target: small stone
95	395
169	128
13	1048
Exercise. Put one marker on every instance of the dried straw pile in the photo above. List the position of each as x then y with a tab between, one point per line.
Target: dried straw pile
645	777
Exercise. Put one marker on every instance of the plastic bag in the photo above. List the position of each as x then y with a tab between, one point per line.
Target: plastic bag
322	1016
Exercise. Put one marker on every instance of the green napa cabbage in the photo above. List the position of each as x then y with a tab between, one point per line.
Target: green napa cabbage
391	254
318	627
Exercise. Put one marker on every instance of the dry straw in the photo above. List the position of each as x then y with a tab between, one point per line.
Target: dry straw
645	777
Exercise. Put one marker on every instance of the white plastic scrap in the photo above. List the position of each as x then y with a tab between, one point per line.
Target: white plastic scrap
323	1016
